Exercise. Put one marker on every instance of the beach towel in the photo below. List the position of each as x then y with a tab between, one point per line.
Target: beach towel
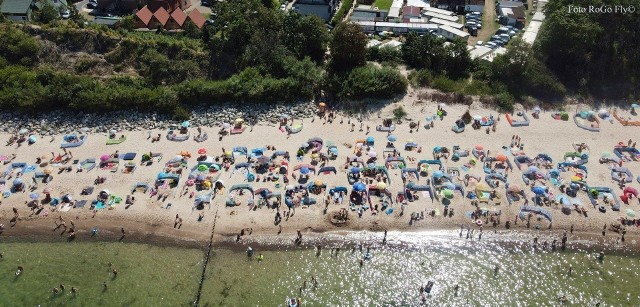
29	168
389	211
81	203
426	194
65	208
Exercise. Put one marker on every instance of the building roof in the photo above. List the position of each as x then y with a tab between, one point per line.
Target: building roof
313	2
15	6
145	15
411	10
474	2
161	15
418	3
197	18
510	4
179	17
454	31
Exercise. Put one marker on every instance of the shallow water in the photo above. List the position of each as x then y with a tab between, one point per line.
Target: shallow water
160	276
394	275
147	275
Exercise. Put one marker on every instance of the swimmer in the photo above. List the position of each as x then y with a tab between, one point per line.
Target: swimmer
495	270
115	272
74	291
260	257
55	290
570	270
20	270
61	287
104	286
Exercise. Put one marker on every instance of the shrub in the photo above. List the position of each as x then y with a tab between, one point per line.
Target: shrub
372	82
445	84
505	102
420	78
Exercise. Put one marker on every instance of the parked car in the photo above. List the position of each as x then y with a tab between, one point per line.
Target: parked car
92	5
491	45
479	43
65	14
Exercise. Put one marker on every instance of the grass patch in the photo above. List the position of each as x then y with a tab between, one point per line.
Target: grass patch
383	4
344	9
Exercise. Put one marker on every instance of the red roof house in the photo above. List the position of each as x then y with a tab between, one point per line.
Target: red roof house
143	17
176	20
160	18
197	18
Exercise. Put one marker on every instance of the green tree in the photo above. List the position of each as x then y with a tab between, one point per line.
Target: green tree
348	47
47	12
399	113
18	47
372	82
305	36
191	30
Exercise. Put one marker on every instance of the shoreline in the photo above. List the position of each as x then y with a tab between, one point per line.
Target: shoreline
416	238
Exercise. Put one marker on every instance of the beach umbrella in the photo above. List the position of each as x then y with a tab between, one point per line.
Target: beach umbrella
514	188
501	158
17	181
333	150
635	105
105	191
34	195
372	154
200	178
226	126
450	185
304	170
533	169
631	213
202	168
355	170
536	109
437	149
479	147
23	131
67	198
411	141
46	191
477	117
576	178
442	105
289	187
438	174
381	185
190	182
392	138
304	145
184	153
318	182
284	116
104	157
113	131
359	187
185	124
33	139
539	190
447	193
202	151
215	167
48	170
630	190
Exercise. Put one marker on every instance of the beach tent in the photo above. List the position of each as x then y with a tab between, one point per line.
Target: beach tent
327	170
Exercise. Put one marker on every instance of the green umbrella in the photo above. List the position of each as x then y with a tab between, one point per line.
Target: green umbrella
447	193
631	213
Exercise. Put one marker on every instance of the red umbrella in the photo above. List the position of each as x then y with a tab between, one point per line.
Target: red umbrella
202	151
630	190
479	147
501	158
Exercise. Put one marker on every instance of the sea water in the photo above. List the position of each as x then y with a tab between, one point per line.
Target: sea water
163	276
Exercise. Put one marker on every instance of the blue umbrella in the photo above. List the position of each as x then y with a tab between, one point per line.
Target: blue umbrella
355	170
304	170
359	187
438	174
533	169
333	150
33	139
185	124
437	149
17	181
369	139
539	190
392	138
450	186
34	195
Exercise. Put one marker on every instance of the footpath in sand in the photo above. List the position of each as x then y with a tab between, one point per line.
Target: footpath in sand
150	218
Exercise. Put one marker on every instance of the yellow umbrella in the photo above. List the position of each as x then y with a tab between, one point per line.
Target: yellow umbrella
381	185
318	182
48	171
228	153
239	120
575	178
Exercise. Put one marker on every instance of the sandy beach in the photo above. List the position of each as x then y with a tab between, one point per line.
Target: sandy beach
149	218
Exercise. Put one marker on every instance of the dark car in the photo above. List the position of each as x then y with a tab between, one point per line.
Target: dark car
92	5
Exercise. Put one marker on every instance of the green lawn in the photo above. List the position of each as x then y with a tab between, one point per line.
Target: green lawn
383	4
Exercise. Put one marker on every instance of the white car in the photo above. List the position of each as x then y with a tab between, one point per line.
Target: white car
479	43
283	7
65	14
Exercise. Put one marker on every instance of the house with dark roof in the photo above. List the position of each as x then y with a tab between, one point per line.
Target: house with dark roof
196	17
168	5
321	8
511	13
459	6
176	20
16	10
